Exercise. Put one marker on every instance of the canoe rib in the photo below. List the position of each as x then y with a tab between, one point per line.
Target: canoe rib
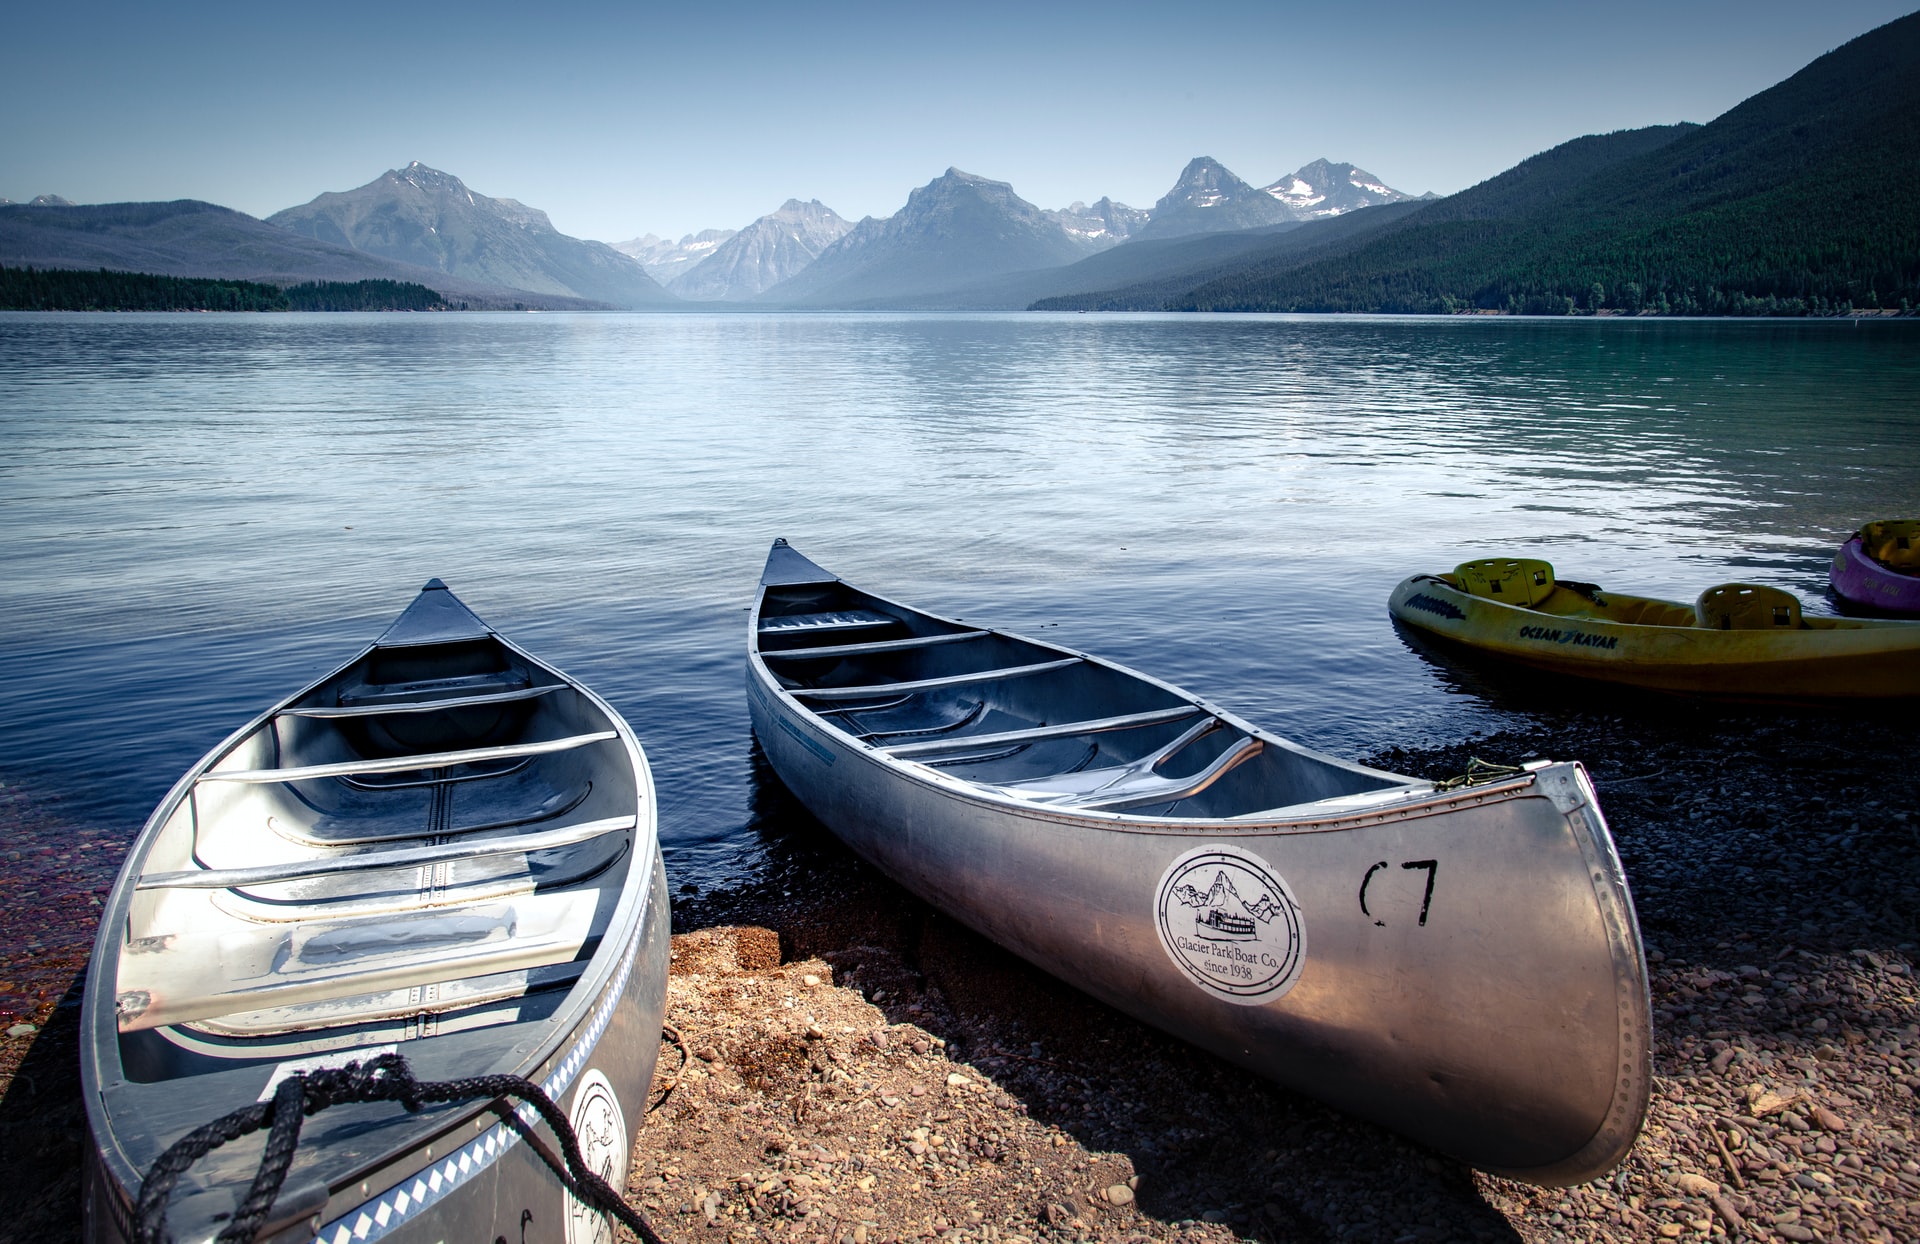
930	684
1065	730
266	874
407	764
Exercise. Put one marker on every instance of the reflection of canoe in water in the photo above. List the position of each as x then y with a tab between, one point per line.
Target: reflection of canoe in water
1879	567
1461	965
1739	639
444	849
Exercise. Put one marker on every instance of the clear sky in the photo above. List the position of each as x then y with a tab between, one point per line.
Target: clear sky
621	119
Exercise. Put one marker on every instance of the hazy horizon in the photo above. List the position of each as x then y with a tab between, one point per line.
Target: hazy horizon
619	124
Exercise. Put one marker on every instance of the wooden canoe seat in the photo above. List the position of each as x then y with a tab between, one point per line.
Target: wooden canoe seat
1747	607
458	686
931	684
1035	734
407	764
1137	783
369	861
838	621
212	970
385	708
1521	581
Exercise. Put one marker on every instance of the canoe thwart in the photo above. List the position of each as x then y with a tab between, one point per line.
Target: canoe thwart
367	861
870	649
406	764
1064	730
331	712
931	684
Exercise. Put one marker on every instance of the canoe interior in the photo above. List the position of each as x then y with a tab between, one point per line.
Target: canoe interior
343	958
1031	721
444	848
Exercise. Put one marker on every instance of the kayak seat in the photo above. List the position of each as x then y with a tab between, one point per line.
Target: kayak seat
1747	607
1894	543
1521	581
1649	612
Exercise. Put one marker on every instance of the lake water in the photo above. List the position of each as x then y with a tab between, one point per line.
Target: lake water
199	513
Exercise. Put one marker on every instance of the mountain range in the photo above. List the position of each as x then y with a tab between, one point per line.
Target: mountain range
665	259
1803	199
422	225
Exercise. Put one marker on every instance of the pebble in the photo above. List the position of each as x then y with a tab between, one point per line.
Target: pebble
22	1030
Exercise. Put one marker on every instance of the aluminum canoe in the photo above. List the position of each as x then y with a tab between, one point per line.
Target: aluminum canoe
1766	650
1461	965
445	849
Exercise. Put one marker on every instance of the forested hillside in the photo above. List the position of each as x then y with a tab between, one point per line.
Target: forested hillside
60	289
1804	199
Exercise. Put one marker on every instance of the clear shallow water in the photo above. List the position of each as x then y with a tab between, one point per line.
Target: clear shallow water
200	513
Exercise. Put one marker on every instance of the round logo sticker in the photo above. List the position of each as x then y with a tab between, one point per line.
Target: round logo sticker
1229	922
602	1131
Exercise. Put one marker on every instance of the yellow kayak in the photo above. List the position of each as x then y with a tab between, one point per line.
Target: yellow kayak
1738	639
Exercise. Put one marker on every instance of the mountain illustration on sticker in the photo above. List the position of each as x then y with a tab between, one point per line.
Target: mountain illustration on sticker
1222	915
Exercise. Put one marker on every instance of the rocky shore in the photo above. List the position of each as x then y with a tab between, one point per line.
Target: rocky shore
855	1067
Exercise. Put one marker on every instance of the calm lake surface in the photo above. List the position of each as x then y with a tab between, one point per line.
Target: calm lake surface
199	513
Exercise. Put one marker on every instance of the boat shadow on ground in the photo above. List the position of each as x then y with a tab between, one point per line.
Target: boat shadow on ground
43	1127
1209	1141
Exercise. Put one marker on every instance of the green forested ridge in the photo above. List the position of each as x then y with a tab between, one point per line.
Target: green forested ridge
61	289
1804	199
363	296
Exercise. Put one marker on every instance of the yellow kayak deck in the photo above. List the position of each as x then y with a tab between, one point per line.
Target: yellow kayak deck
1739	640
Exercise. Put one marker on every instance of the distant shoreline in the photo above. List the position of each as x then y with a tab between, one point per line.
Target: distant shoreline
72	289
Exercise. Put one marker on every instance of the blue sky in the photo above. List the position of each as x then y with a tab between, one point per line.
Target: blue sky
623	119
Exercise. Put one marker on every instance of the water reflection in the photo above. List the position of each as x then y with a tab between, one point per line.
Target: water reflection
202	511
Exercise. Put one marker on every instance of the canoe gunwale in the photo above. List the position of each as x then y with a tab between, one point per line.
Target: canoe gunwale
608	965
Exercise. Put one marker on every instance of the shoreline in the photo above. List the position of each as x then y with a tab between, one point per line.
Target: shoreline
1773	866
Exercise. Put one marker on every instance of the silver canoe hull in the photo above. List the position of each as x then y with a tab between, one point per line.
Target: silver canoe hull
1463	967
444	849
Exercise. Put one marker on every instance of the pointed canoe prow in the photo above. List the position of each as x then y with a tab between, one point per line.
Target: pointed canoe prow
436	616
785	567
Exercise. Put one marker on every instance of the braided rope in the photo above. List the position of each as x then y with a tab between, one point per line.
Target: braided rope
386	1078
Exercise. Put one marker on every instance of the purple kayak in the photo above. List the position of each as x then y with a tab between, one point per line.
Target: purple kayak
1879	568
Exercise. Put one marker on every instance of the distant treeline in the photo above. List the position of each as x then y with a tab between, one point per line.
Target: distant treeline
61	289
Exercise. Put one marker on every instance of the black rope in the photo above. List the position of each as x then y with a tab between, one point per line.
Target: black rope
386	1078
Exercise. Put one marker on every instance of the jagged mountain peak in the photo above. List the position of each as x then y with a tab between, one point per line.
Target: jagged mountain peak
1204	179
1208	198
957	228
424	216
1326	188
773	248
